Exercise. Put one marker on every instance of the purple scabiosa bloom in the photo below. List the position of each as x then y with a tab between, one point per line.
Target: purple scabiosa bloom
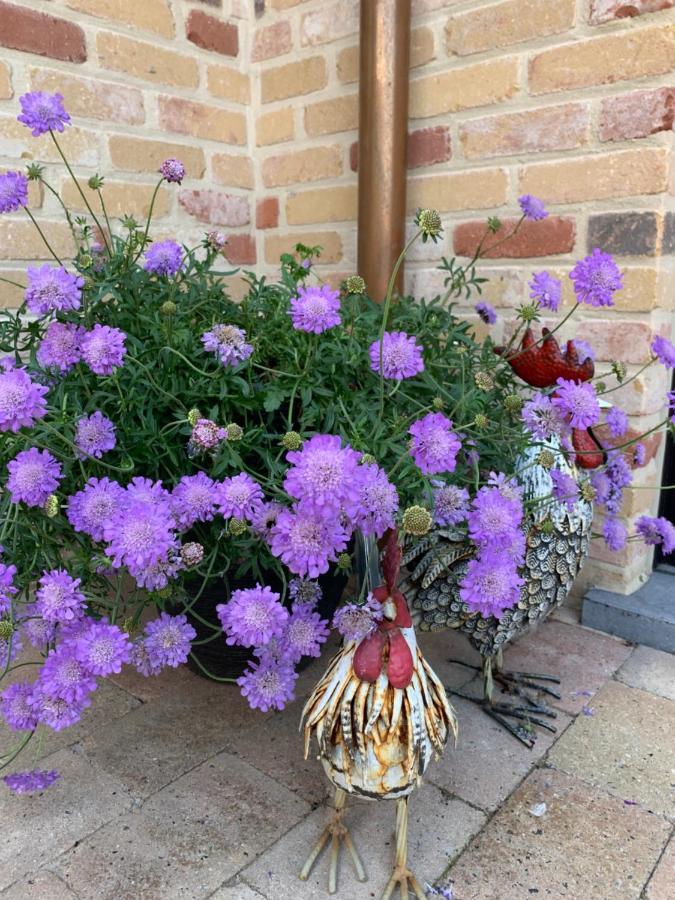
306	541
305	632
22	402
656	531
268	684
639	454
192	500
16	707
546	290
172	170
486	312
355	621
7	587
542	418
324	472
103	648
31	782
163	258
670	397
401	356
304	591
42	112
94	435
145	490
228	342
494	519
103	349
596	278
58	597
13	191
55	712
583	349
9	647
664	351
315	309
252	616
451	503
601	485
141	660
238	497
377	501
139	536
38	631
508	487
434	446
216	240
532	207
51	289
491	584
63	675
565	488
206	436
33	476
615	534
92	508
60	347
578	402
168	640
263	518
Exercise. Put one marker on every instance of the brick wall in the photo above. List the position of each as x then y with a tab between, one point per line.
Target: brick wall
572	100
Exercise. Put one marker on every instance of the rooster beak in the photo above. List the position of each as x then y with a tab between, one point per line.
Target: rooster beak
389	609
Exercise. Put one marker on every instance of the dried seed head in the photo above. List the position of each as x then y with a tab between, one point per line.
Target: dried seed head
546	459
355	285
587	491
416	520
429	221
234	432
484	381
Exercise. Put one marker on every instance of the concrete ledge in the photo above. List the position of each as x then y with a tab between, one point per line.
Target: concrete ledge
646	617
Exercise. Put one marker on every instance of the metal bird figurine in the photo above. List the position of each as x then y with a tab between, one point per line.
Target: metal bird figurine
379	714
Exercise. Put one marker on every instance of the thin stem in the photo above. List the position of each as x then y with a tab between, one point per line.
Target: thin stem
627	380
544	336
15	283
42	235
194	368
63	206
147	224
105	212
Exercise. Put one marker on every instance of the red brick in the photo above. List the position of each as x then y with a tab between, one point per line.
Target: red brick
240	250
36	32
212	34
607	10
271	40
637	114
546	238
267	212
425	147
623	339
216	208
561	127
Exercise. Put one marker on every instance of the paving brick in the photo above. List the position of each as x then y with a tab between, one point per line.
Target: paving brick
20	240
586	845
637	114
236	892
5	81
650	670
329	23
228	84
662	882
40	885
135	155
202	121
146	61
332	116
330	241
216	208
267	212
563	127
609	10
233	171
80	145
463	87
120	199
275	127
240	250
42	34
150	15
438	830
549	237
506	23
668	241
300	166
460	190
336	204
624	233
271	40
93	98
293	79
212	34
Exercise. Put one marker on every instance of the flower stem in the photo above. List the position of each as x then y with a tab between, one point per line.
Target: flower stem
42	235
147	224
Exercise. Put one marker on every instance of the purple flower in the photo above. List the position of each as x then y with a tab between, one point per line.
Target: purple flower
192	500
268	684
16	707
664	351
377	501
596	278
670	397
609	484
13	191
92	508
145	490
58	598
434	446
583	349
52	289
542	418
565	488
163	258
55	712
494	519
22	402
546	290
94	435
354	621
31	782
508	487
324	472
305	540
7	587
64	677
656	531
172	170
401	356
639	454
304	591
9	647
304	634
486	312
252	616
141	660
491	584
35	629
588	710
103	648
315	309
615	534
140	536
263	518
168	640
60	347
532	207
206	436
103	349
229	343
238	497
450	504
42	112
578	402
33	476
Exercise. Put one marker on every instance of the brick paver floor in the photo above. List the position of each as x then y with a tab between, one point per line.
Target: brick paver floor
173	788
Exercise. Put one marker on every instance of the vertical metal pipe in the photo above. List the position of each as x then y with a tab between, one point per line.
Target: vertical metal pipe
383	126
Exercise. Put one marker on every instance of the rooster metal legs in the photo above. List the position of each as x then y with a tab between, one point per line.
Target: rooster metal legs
402	876
337	831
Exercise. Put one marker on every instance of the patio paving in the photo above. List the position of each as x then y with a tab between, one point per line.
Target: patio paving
172	789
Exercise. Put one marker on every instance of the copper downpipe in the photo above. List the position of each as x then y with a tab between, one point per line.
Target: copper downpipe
383	126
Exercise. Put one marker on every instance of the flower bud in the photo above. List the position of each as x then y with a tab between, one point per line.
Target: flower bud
547	527
587	491
438	403
291	441
95	182
6	629
481	421
494	224
238	527
234	432
216	240
344	561
193	416
34	172
128	626
528	313
172	170
429	222
619	369
168	308
416	520
513	403
51	506
367	459
355	285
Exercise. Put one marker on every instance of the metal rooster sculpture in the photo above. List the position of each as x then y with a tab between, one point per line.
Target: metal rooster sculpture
379	714
557	539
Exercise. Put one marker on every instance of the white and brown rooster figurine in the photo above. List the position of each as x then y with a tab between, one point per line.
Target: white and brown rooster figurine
379	715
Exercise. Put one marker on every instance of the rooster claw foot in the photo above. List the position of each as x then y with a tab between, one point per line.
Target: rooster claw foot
502	712
519	683
337	832
404	878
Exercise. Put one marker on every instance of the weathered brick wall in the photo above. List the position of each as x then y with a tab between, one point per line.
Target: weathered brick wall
572	100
